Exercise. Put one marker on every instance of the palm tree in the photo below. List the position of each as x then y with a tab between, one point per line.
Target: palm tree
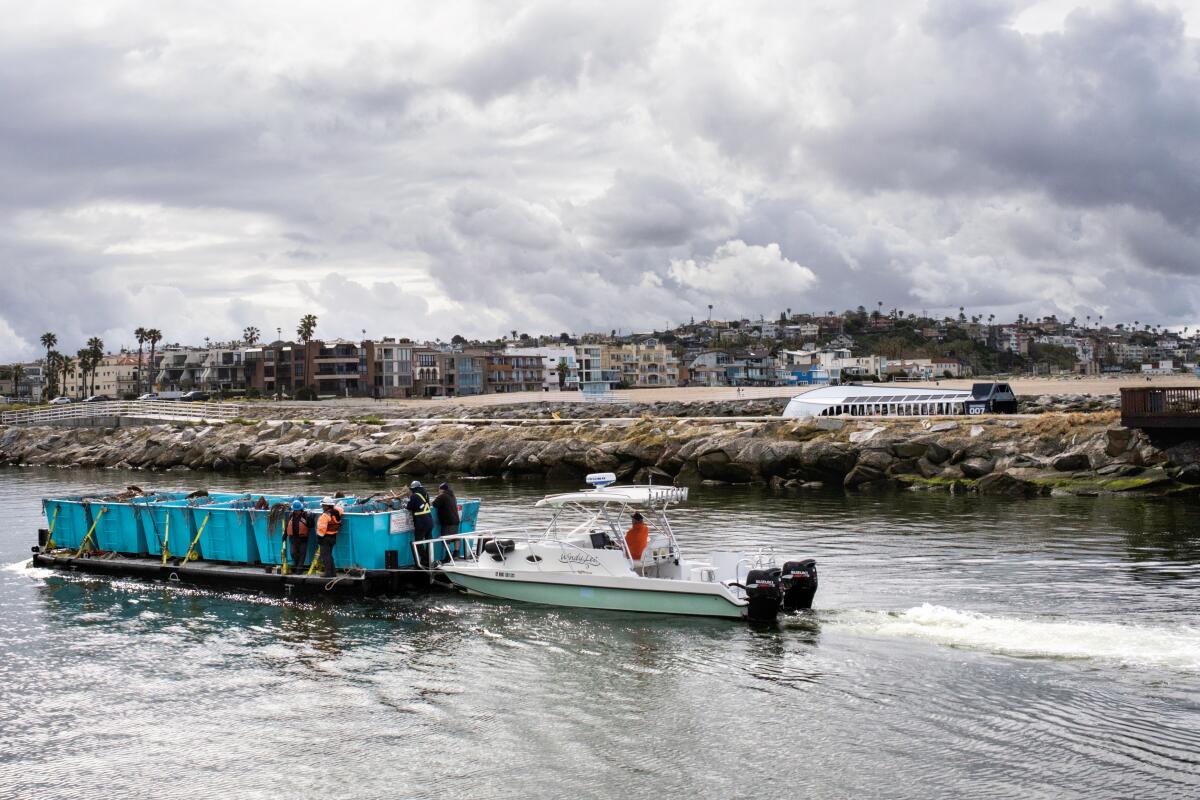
140	335
66	366
48	341
18	374
305	330
53	359
96	350
85	362
250	335
153	336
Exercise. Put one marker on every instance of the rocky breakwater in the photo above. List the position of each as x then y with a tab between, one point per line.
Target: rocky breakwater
1076	453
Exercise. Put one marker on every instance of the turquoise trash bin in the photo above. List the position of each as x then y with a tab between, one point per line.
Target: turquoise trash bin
119	529
69	518
171	520
227	535
372	530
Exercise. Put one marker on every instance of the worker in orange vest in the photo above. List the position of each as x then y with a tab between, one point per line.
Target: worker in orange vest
299	524
637	537
327	530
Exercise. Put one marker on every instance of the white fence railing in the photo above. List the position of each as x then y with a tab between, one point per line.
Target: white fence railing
142	409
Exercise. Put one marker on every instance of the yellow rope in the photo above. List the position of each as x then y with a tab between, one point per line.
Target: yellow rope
166	548
50	533
91	530
283	547
192	547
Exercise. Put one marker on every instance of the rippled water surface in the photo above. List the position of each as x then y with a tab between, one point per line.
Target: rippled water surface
962	647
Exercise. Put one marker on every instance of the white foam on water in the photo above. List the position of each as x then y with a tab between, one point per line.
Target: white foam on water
26	569
1172	647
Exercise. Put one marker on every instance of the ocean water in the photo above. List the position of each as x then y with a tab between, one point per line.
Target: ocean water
960	646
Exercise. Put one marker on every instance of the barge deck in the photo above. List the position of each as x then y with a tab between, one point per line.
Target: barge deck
269	580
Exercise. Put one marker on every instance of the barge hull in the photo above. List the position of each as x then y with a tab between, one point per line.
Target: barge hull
369	583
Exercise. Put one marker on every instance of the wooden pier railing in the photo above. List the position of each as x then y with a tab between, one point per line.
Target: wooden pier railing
166	410
1160	407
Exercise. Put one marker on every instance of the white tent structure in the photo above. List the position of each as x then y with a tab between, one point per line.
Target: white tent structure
877	400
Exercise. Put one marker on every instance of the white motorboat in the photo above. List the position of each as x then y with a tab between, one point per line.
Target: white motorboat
582	560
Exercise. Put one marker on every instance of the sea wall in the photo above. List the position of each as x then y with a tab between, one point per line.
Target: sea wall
1077	453
546	409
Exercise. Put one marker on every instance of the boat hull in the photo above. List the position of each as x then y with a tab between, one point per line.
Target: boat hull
608	598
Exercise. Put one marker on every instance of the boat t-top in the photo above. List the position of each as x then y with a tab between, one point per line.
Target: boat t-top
582	560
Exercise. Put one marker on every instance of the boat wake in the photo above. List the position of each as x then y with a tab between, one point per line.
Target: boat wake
25	567
1172	647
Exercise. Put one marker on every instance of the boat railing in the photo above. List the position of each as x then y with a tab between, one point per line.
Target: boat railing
470	552
142	409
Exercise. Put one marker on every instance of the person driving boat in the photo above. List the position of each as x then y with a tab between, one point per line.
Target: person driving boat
637	537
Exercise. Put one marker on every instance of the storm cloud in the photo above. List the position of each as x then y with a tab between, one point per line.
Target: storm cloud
477	168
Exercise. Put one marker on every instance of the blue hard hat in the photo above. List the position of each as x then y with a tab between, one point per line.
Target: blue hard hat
297	505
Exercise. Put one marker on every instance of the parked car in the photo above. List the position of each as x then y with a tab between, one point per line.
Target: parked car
148	396
194	396
98	398
61	401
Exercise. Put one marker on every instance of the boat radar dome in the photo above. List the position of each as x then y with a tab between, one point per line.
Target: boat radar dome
601	479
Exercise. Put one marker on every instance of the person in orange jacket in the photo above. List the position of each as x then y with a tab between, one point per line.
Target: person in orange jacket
637	537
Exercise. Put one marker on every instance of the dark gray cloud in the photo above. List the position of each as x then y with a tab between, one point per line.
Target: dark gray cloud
475	168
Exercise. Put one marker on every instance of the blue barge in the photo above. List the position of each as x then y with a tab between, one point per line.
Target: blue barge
228	539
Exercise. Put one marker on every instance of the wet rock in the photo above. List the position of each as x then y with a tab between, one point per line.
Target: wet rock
1117	441
1003	485
936	453
974	468
909	449
1071	462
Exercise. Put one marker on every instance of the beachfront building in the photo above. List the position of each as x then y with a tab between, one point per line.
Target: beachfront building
337	368
31	385
505	373
393	368
116	376
643	364
560	368
595	374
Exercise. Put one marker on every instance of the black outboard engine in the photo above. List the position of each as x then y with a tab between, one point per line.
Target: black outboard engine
764	594
799	583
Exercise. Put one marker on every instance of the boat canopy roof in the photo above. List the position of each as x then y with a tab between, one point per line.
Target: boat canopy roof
624	495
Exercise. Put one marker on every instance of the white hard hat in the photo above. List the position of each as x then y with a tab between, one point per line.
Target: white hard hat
327	501
415	485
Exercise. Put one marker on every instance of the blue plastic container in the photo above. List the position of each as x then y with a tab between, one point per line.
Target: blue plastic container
119	529
72	523
170	523
227	534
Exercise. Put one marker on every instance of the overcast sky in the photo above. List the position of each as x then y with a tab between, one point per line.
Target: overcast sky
426	169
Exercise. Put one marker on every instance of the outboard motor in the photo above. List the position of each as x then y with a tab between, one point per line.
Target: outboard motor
799	583
764	594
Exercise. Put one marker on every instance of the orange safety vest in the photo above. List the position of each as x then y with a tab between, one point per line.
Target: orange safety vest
329	523
298	527
636	539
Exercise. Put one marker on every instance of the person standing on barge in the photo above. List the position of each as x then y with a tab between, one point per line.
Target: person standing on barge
446	506
422	514
299	525
328	526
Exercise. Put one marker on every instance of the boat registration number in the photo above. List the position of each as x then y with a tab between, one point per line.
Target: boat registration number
506	574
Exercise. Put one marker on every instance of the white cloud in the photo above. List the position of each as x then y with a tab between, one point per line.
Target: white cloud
592	166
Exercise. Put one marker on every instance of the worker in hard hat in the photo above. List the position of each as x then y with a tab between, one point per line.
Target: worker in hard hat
299	524
422	514
328	525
